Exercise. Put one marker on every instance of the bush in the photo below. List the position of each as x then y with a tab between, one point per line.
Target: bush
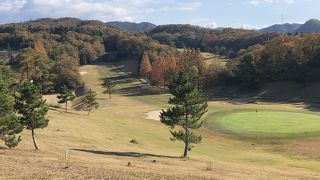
11	141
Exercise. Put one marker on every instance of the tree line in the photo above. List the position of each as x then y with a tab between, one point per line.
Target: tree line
159	68
285	58
226	42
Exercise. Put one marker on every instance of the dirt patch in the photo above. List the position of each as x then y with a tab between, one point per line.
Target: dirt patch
310	149
51	99
153	115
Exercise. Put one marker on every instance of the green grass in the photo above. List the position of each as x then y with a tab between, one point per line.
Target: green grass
269	123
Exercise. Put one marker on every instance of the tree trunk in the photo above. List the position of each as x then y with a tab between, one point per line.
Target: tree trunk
27	72
89	111
33	139
186	143
66	106
110	94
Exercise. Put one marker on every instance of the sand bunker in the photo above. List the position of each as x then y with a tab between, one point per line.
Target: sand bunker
83	72
153	115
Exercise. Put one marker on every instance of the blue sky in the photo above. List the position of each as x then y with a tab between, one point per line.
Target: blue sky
208	13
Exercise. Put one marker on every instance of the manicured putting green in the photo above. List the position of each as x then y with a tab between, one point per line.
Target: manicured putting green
270	122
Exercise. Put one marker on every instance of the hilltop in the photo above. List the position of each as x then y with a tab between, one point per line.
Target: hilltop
130	26
312	25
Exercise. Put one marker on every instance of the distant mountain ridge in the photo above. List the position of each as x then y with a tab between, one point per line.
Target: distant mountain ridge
130	26
313	25
282	28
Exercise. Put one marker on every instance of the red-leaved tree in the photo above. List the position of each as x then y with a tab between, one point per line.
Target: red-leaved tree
145	66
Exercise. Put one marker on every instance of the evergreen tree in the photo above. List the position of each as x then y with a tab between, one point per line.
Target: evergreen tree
109	86
83	59
247	73
189	107
145	66
32	108
10	56
91	101
65	96
9	123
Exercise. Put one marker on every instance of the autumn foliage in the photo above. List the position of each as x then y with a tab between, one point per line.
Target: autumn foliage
161	68
39	47
145	66
164	67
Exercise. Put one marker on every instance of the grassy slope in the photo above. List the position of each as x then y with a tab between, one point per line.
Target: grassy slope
100	143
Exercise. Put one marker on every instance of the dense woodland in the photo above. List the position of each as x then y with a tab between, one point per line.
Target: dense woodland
255	58
49	51
284	58
224	42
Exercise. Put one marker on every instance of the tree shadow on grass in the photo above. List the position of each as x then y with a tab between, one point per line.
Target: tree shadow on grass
124	154
125	74
141	90
297	97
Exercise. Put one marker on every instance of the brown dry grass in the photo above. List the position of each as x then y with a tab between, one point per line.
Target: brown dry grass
100	146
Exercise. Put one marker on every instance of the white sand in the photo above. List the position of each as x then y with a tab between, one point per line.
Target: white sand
153	115
83	72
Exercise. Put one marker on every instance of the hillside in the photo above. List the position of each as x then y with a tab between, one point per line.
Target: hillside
313	25
130	26
100	145
61	45
226	42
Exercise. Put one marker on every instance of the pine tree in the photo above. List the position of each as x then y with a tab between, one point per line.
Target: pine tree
31	108
91	101
26	62
145	66
189	107
65	96
10	56
9	123
38	67
83	59
109	86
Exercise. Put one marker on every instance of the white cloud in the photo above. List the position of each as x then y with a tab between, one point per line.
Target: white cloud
9	5
248	26
188	6
104	10
257	2
204	22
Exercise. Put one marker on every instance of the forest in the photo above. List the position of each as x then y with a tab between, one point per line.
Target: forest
51	50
